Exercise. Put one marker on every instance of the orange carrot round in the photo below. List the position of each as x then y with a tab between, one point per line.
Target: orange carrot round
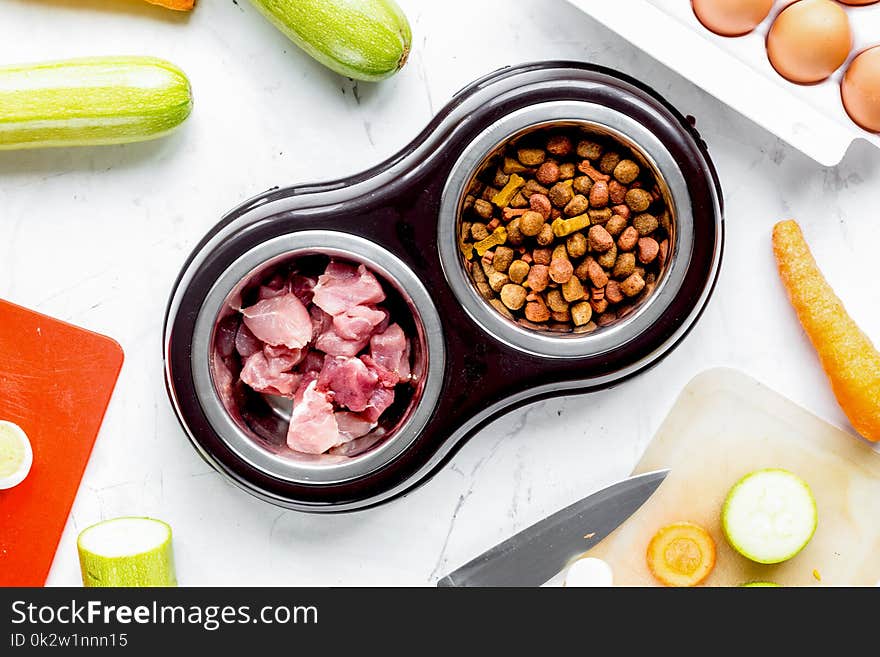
848	357
177	5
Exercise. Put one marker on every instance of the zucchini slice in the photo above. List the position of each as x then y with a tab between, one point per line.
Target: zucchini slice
127	552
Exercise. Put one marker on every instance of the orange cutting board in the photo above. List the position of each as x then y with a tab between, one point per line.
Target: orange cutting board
55	383
726	425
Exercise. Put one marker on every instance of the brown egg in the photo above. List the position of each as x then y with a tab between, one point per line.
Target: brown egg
809	40
861	89
731	17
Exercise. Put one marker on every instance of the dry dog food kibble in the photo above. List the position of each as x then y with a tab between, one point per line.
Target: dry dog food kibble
564	231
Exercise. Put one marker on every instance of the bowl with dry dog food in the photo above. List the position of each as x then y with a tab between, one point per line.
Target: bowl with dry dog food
556	228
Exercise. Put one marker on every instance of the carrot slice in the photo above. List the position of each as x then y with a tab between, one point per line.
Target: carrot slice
848	357
681	554
177	5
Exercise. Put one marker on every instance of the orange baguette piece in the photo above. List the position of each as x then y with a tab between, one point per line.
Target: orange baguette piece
177	5
848	357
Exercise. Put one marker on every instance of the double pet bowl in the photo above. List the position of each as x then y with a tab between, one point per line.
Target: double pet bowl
400	219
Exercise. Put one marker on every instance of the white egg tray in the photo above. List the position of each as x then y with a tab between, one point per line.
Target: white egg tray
737	71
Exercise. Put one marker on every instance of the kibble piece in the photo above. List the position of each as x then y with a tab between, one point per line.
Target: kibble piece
664	252
501	179
496	238
542	256
616	192
639	270
596	274
560	194
539	278
648	249
530	223
577	205
599	195
599	239
489	192
514	183
561	270
541	204
626	171
483	208
519	201
537	312
572	290
576	245
646	224
623	210
533	187
583	185
625	266
475	188
638	200
531	157
565	227
599	306
498	280
581	313
628	239
559	251
514	234
501	308
559	145
567	171
548	173
632	285
589	150
518	271
556	301
562	316
482	283
479	231
609	162
502	258
616	225
600	216
513	296
545	237
613	292
607	259
513	166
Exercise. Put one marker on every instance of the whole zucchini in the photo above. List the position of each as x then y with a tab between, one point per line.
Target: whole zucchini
85	102
362	39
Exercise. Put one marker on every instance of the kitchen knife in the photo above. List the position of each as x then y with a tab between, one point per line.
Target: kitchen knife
538	553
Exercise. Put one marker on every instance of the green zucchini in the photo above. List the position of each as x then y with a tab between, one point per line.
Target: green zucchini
92	101
769	516
361	39
127	552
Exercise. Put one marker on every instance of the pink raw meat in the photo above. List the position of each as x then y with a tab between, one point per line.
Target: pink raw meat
274	287
353	425
224	340
342	287
281	320
303	287
312	363
380	400
331	343
246	343
313	428
349	381
358	323
282	359
262	375
391	351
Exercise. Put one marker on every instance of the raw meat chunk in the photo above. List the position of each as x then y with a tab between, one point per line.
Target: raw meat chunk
353	425
391	351
379	402
349	381
281	320
303	287
262	375
313	428
246	343
342	287
358	323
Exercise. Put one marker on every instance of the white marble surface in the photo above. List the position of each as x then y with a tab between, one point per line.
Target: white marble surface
96	237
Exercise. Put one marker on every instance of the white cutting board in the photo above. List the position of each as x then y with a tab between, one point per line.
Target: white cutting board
724	425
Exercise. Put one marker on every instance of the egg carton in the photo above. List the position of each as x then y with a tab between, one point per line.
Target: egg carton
737	71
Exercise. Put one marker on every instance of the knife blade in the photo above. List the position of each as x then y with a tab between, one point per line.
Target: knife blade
536	554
